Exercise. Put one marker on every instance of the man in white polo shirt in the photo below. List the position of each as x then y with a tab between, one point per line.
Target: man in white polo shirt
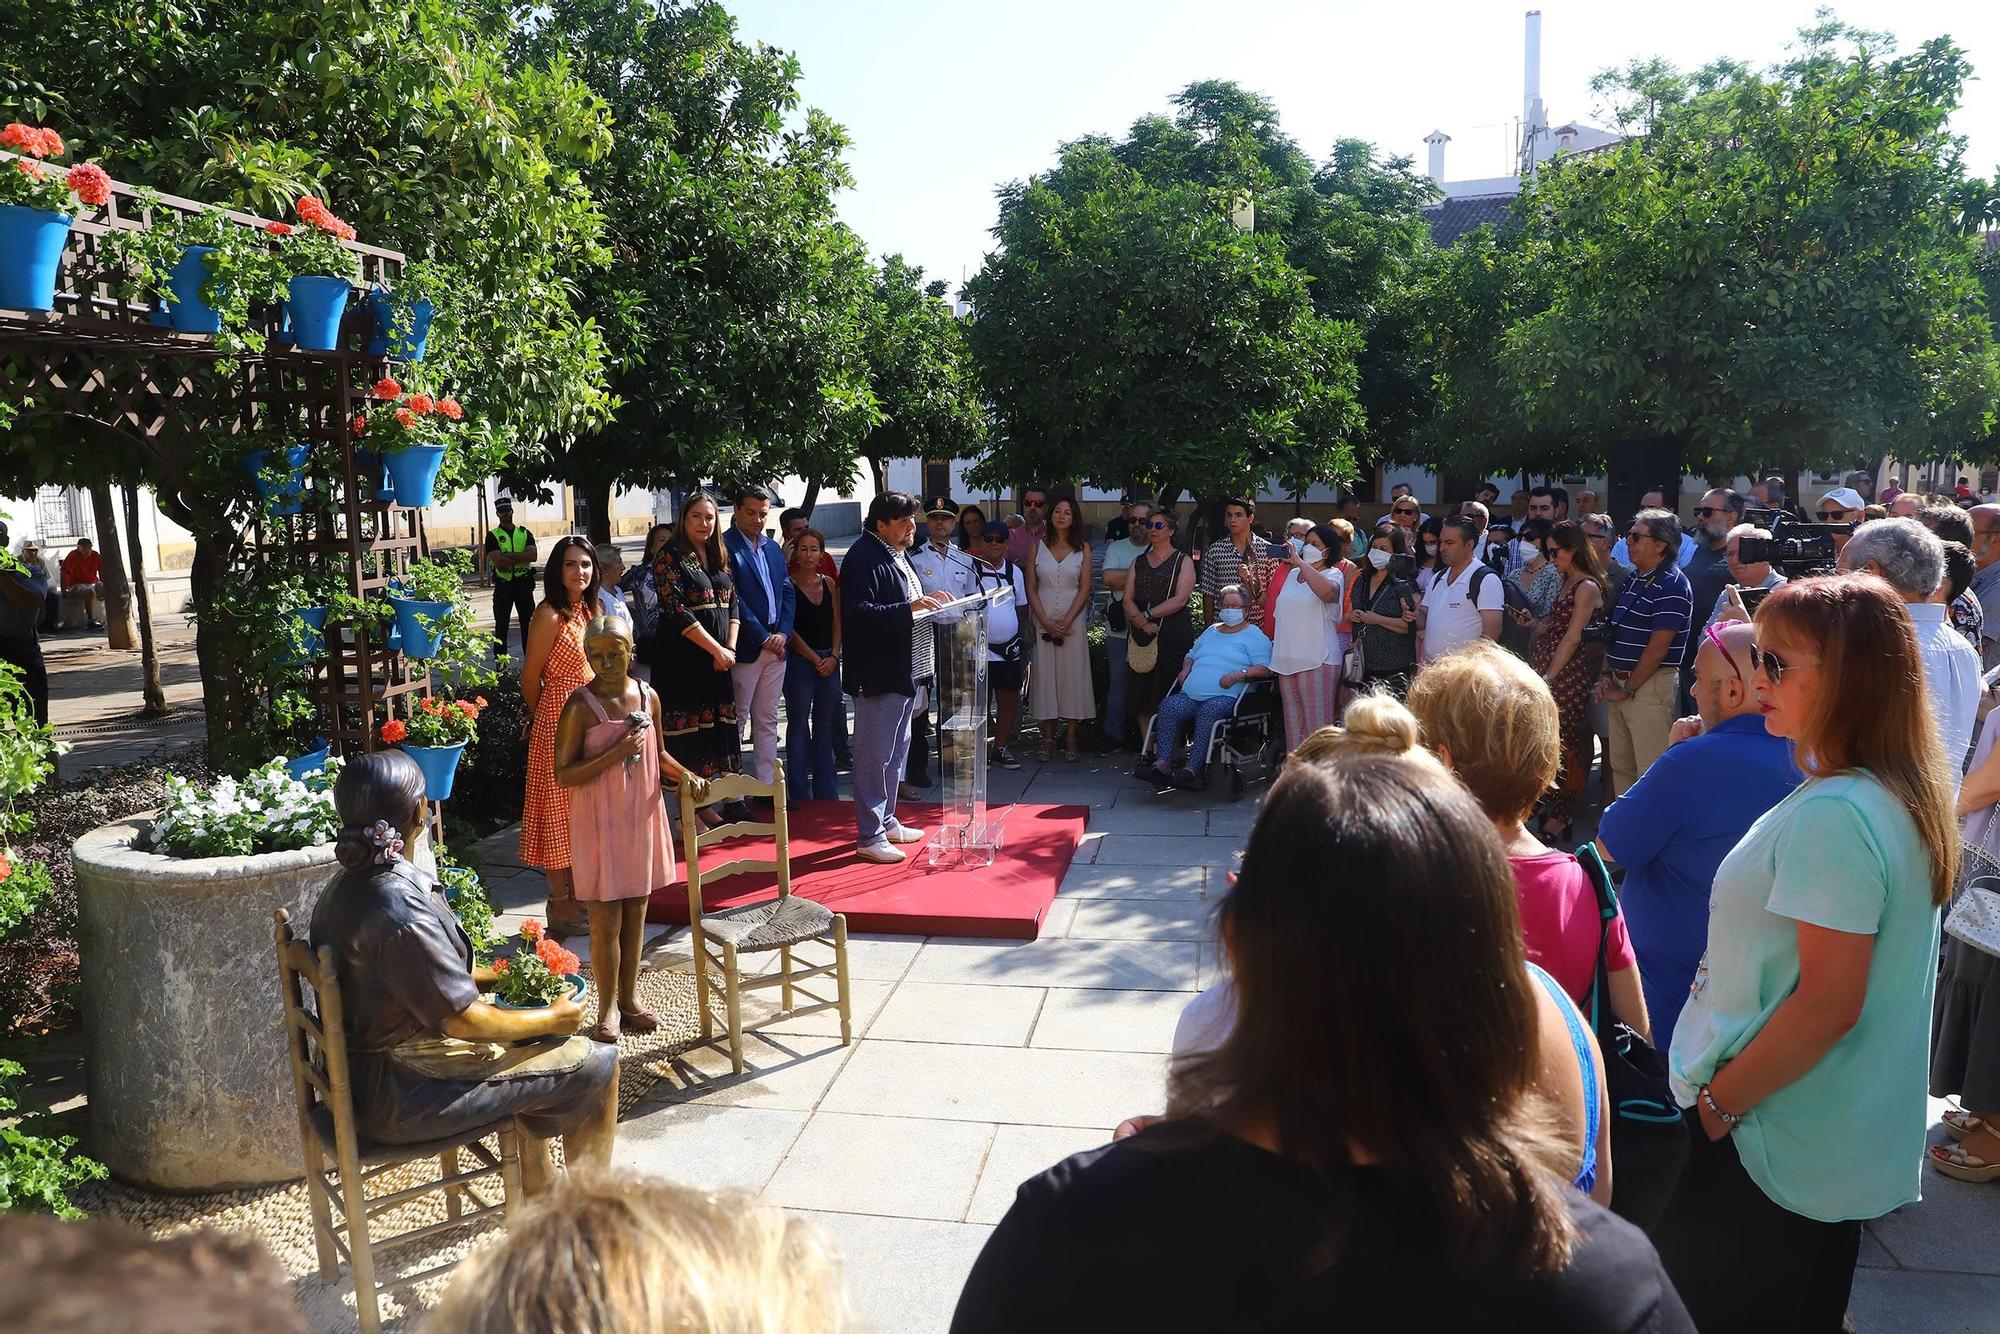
1465	598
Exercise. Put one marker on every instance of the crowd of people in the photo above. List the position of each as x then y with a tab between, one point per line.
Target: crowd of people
1474	1072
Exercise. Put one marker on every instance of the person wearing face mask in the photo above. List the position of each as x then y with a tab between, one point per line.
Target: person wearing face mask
1429	557
1305	634
1225	657
1385	614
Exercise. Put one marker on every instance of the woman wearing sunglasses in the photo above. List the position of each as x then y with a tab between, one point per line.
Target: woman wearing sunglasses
1801	1051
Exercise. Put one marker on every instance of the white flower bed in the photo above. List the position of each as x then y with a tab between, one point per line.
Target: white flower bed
269	811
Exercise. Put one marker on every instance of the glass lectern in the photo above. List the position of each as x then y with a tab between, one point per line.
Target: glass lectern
966	837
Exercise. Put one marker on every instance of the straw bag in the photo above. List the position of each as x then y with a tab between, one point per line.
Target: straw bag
1141	657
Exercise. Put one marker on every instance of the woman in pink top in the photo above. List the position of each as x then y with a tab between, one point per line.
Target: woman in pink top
609	753
1493	720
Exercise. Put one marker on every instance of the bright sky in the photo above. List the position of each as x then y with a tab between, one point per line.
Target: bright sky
946	99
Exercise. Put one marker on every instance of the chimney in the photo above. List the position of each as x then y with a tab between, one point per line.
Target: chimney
1436	140
1533	119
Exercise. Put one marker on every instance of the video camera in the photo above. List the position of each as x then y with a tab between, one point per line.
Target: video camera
1795	547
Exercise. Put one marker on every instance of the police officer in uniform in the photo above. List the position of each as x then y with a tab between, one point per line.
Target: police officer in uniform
510	554
946	571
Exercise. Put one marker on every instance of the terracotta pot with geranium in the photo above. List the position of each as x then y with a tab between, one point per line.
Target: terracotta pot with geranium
38	201
318	273
435	735
409	430
540	972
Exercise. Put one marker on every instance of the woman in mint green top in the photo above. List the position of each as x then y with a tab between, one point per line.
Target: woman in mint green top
1803	1047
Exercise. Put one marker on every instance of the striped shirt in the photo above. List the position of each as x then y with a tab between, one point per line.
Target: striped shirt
1659	601
1222	565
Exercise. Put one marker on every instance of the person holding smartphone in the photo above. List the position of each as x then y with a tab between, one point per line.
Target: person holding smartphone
1385	612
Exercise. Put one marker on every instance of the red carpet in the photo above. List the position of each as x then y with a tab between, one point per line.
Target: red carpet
1006	900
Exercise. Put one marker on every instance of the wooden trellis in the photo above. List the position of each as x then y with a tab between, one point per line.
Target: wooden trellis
103	359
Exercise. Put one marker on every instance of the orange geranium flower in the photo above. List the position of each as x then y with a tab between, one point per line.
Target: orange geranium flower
421	404
387	389
91	184
6	868
531	930
406	417
395	730
278	228
450	408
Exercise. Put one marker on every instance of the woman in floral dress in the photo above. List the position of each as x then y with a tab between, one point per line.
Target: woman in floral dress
1570	666
552	666
694	644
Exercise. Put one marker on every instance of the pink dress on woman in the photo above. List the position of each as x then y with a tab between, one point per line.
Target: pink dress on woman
619	846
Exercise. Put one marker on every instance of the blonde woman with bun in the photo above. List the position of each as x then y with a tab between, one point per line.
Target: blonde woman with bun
1377	725
637	1255
1369	1142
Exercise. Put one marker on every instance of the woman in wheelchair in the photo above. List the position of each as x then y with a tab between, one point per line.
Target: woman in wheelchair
428	1057
1225	658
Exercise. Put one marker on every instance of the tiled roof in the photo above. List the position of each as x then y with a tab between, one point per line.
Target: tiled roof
1453	218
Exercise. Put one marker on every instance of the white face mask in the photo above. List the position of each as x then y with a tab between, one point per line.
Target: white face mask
1430	548
1525	551
1379	559
1298	544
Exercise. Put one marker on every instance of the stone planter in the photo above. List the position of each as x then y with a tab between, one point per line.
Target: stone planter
184	1046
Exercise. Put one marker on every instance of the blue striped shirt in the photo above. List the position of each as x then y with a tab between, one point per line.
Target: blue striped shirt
1661	600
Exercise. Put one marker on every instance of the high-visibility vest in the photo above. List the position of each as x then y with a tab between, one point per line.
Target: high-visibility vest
513	541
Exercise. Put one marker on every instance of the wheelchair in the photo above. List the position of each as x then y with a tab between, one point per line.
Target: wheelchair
1250	738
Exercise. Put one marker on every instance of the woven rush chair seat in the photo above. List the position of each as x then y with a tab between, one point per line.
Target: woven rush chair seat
766	926
782	924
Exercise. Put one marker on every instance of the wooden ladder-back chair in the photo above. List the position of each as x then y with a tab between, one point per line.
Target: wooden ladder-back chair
317	1043
780	924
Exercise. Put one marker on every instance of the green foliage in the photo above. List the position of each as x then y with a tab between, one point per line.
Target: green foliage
24	887
731	311
27	749
470	903
1773	271
268	811
920	369
243	272
1128	330
461	661
36	1171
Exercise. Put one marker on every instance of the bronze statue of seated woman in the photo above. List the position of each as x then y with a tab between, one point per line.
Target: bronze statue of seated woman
428	1057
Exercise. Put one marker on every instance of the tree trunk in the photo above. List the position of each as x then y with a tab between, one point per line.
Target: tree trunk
595	498
219	650
811	497
149	657
118	625
878	473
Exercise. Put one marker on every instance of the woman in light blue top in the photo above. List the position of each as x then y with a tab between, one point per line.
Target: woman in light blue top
1802	1048
1225	658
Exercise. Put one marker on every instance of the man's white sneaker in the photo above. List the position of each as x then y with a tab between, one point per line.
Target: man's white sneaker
902	833
883	853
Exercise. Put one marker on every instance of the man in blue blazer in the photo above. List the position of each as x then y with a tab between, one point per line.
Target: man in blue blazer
765	601
880	597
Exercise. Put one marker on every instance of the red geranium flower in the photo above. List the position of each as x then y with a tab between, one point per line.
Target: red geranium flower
421	403
52	144
480	700
465	707
360	423
561	962
394	730
91	184
21	138
278	228
531	930
450	408
406	417
6	868
500	967
34	171
386	389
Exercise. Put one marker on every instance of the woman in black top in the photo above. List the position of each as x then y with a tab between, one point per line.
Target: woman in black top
694	644
812	672
1383	601
1361	1151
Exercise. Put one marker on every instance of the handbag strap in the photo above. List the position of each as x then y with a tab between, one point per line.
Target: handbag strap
1607	913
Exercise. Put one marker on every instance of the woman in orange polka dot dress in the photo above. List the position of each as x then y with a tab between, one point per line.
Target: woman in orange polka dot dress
552	666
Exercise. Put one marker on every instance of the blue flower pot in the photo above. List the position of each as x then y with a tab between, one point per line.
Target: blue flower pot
384	308
288	496
373	472
31	247
311	762
310	622
187	310
314	312
161	316
413	472
440	766
418	639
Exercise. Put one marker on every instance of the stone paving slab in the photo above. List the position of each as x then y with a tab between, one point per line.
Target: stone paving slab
1143	965
956	1012
1133	882
1020	1152
1164	850
900	1166
707	1145
1094	1020
903	1274
1905	1301
1143	919
1022	1085
788	1072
